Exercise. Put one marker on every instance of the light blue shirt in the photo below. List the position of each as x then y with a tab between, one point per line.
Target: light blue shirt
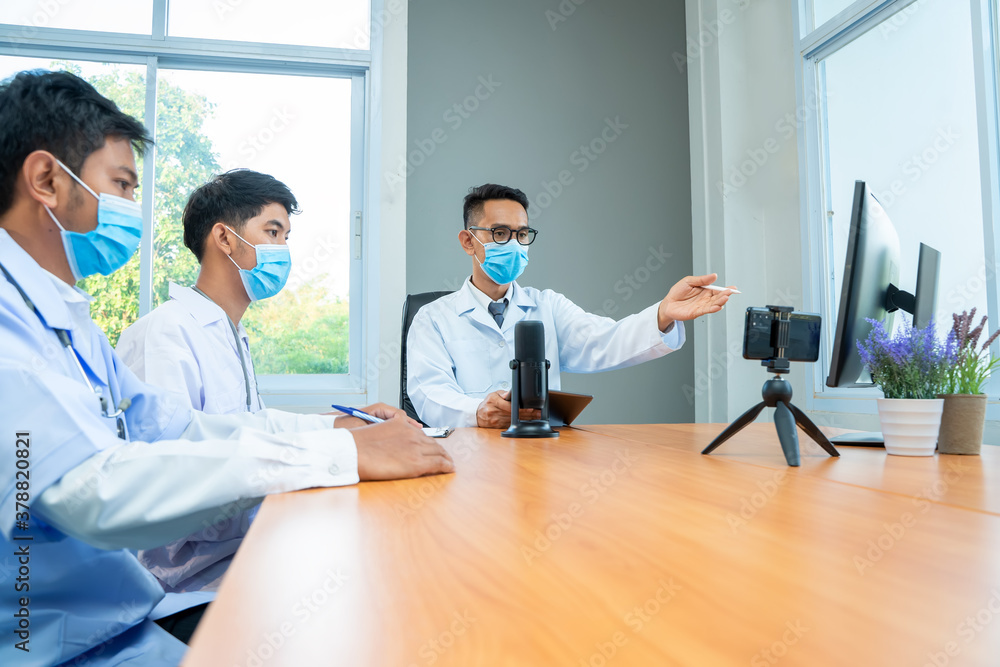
484	300
80	598
84	488
456	355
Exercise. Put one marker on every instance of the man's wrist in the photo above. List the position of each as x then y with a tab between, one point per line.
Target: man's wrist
348	422
472	419
663	323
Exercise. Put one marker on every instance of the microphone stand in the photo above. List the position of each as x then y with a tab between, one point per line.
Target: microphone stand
529	428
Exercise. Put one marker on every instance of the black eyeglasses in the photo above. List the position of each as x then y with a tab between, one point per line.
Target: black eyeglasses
502	235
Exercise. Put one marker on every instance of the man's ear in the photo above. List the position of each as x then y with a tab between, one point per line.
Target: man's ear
468	245
39	174
219	237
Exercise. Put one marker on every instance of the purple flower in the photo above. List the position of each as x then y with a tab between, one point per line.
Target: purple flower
951	347
989	341
866	356
910	363
970	366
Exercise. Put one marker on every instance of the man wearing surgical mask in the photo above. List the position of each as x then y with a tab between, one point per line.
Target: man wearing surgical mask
108	464
237	225
460	346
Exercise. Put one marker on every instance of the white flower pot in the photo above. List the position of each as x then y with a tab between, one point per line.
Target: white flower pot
910	425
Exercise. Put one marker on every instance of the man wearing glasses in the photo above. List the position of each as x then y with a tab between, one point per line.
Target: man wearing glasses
459	347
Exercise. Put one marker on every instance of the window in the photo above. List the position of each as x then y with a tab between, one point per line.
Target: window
98	15
116	302
902	103
824	10
298	129
335	23
901	115
297	113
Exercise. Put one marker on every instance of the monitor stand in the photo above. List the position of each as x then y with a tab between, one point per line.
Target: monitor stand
869	439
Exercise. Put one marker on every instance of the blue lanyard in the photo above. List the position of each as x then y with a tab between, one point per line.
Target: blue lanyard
67	342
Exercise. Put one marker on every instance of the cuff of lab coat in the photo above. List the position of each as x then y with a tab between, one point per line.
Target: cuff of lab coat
335	457
675	337
469	407
672	339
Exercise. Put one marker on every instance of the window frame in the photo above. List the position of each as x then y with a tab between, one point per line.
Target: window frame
812	46
157	51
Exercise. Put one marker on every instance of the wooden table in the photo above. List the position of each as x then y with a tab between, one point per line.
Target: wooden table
622	545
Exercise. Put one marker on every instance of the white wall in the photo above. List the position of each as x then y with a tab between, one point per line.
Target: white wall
741	87
387	292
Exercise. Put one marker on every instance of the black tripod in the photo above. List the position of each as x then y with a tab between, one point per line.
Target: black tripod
778	394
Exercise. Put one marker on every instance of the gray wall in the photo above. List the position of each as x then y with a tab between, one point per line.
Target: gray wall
554	84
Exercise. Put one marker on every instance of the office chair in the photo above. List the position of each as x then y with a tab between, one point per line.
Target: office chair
413	303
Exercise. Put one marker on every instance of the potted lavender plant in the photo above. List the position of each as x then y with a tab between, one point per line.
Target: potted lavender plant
964	414
909	367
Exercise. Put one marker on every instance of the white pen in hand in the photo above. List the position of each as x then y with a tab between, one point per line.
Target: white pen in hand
716	288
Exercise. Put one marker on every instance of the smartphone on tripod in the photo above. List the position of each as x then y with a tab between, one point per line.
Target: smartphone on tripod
777	335
803	335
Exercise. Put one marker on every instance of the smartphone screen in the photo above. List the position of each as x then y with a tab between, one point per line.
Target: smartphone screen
804	333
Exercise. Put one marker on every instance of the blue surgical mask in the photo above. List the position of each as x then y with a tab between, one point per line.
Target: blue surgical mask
110	245
274	263
504	263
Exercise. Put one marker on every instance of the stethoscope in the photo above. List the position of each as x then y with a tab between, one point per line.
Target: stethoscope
67	343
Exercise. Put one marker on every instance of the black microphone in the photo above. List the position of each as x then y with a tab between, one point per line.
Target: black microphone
529	382
529	350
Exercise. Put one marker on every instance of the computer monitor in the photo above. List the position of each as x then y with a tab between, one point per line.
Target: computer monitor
870	290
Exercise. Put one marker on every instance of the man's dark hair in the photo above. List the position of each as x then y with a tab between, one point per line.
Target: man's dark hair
61	113
232	198
476	200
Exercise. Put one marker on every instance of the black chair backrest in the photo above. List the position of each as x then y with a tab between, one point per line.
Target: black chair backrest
413	303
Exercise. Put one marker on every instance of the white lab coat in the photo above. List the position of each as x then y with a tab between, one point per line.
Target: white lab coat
456	354
186	345
92	495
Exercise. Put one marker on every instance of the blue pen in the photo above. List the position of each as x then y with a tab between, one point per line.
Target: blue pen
354	412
